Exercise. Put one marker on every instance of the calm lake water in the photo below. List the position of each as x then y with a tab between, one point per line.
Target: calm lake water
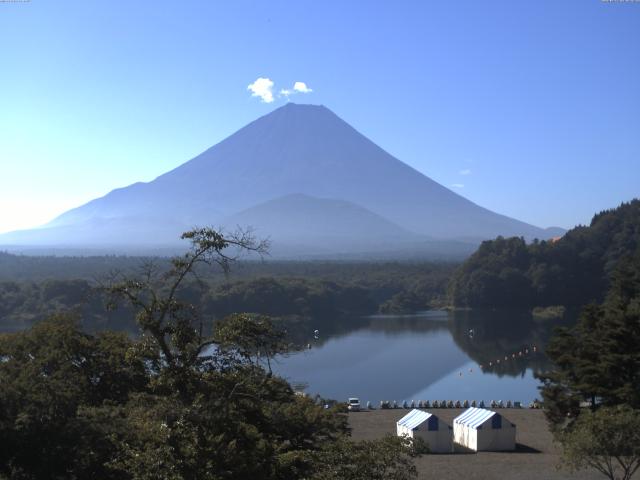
431	356
435	355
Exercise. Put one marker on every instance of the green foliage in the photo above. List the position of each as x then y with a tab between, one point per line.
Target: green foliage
404	302
607	440
251	338
240	425
289	296
79	406
24	304
598	359
309	290
38	268
385	459
48	374
571	271
548	313
493	276
174	404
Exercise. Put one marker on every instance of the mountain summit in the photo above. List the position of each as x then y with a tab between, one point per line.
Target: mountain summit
296	155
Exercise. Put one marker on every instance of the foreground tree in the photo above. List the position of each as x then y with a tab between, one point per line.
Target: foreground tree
387	459
598	360
174	336
252	338
49	376
607	440
212	410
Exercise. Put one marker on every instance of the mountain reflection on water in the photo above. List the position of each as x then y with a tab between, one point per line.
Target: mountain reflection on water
436	355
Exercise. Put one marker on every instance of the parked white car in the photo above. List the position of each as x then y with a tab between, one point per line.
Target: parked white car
353	404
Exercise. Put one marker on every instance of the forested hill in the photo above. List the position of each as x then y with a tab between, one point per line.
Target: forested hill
33	288
572	271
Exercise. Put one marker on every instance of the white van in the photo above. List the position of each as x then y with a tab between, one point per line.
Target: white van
353	404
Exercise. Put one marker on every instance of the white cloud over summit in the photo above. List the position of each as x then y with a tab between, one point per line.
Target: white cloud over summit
298	87
301	87
263	88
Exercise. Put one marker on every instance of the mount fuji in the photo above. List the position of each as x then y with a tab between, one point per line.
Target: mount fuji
299	175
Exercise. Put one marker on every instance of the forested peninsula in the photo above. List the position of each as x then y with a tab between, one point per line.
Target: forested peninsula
573	270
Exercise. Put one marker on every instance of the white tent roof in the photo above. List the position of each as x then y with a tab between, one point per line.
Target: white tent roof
414	418
474	417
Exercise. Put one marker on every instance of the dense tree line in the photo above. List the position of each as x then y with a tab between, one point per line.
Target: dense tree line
22	267
23	304
592	393
323	290
572	271
287	296
598	360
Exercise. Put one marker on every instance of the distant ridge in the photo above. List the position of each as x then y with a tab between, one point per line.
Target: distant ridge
352	188
297	217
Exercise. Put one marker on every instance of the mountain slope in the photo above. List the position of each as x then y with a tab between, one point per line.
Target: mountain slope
295	149
299	216
304	223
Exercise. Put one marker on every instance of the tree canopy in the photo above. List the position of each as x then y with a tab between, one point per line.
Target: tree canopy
592	393
572	271
598	359
607	440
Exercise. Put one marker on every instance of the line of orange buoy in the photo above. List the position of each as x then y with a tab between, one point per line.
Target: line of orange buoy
521	353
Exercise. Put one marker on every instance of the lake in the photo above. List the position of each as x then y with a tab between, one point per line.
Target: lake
436	355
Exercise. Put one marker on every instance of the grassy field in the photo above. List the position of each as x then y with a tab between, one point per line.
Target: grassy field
536	456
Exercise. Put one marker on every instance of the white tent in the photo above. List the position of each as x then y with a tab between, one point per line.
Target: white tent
479	429
425	425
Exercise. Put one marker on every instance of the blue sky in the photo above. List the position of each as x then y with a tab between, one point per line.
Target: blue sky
531	108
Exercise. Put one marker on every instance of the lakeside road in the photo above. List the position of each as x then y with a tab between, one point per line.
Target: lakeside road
536	456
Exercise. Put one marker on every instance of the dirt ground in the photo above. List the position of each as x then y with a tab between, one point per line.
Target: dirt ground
536	457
